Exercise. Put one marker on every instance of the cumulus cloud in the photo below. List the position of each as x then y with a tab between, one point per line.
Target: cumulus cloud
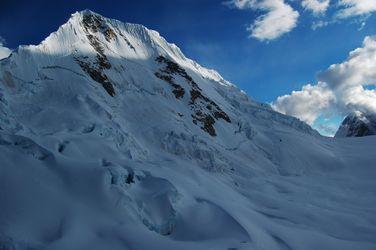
279	18
358	98
308	103
350	8
316	6
341	88
358	69
4	51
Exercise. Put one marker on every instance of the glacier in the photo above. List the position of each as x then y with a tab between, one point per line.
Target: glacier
110	138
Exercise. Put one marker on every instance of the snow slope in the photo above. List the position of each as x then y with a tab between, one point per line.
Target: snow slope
110	138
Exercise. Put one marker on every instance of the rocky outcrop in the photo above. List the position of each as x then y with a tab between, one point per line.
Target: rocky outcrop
205	111
94	68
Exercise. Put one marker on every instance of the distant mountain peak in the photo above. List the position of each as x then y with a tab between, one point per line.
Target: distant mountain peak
357	124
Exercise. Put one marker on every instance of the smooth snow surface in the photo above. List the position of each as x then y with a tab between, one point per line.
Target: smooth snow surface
110	138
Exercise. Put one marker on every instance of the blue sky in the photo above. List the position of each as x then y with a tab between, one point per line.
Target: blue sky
215	34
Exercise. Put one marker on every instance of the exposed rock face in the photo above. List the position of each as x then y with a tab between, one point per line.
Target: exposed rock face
357	124
205	111
96	23
93	24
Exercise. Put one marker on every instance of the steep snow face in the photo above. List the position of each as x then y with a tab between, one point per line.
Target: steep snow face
110	138
357	124
126	73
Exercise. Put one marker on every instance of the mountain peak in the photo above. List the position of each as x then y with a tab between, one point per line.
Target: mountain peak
357	124
109	53
86	12
87	34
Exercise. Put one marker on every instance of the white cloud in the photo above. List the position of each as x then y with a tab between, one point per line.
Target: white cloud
242	4
306	104
357	98
319	24
4	51
350	8
358	69
316	6
279	18
341	88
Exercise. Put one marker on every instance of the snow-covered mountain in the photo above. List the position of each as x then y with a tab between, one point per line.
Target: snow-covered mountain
110	138
357	124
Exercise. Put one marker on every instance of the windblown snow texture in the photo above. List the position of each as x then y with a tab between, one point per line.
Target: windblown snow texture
110	138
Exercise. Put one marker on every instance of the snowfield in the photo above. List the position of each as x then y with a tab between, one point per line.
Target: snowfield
110	138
